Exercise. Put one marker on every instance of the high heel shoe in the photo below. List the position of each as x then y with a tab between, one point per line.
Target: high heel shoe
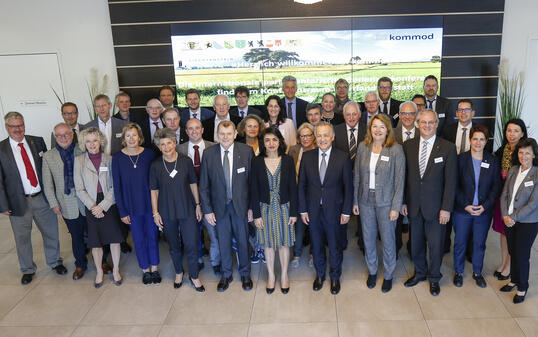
285	290
519	298
269	290
497	274
98	285
118	282
507	288
501	277
199	289
178	285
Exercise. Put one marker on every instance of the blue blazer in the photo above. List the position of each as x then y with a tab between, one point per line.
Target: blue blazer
489	182
184	114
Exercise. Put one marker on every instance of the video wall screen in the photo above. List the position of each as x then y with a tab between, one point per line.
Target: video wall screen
219	56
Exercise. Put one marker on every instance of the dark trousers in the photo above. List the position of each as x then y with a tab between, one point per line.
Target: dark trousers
76	228
231	226
398	233
467	228
188	229
144	233
324	229
360	239
520	239
428	234
343	237
300	231
448	234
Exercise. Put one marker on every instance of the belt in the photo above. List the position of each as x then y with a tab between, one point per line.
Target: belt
33	194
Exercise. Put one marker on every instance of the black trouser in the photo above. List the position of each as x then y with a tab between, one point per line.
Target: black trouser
398	233
76	229
520	239
324	229
188	228
428	234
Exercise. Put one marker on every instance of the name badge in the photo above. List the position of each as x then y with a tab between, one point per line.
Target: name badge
385	158
484	165
241	170
173	173
118	135
441	115
40	153
395	116
438	160
528	183
103	169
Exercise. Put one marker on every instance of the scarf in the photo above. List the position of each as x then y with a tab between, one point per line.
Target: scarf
68	158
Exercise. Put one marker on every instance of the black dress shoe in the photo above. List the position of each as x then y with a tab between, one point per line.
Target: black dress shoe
178	285
434	288
414	280
27	278
458	280
508	288
371	281
318	283
156	277
199	289
335	287
269	290
479	279
496	274
518	298
125	248
285	290
386	286
224	283
502	277
98	285
60	269
146	278
246	282
216	270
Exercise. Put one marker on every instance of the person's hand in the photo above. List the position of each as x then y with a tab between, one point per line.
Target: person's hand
404	210
210	218
344	219
305	218
444	216
508	221
474	210
126	220
250	217
158	220
199	214
292	220
258	222
97	212
393	216
356	210
8	213
57	210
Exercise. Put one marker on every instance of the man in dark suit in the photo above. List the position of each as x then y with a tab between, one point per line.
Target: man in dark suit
295	107
123	103
242	95
325	201
70	117
387	104
192	97
430	190
21	196
222	108
167	95
371	108
151	121
224	191
437	103
171	120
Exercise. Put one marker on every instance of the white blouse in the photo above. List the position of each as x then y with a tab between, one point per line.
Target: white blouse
519	179
374	157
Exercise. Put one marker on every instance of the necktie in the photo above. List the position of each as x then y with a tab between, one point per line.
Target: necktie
323	167
422	160
194	115
156	125
430	103
242	114
197	160
408	133
352	144
290	111
30	173
463	140
226	167
385	108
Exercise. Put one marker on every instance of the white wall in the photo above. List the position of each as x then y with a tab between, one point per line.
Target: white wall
78	30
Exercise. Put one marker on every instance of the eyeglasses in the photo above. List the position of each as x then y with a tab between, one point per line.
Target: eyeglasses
306	136
384	87
15	126
424	123
342	87
69	113
63	135
407	113
464	110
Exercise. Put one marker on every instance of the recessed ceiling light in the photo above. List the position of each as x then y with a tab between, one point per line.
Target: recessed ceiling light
307	2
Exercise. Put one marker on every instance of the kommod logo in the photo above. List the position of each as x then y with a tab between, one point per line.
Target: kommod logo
410	37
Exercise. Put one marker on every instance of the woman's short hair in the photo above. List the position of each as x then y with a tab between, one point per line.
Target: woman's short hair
163	134
390	131
479	128
526	142
242	125
272	130
281	115
91	131
308	126
130	126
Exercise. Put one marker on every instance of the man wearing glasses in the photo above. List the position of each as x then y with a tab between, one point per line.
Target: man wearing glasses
70	117
387	104
437	103
341	87
242	95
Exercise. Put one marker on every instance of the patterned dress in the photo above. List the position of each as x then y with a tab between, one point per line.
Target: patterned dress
276	232
498	223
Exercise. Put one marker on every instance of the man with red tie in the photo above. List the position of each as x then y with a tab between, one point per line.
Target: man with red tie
21	196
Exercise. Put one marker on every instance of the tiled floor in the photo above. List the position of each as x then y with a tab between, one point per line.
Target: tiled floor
55	305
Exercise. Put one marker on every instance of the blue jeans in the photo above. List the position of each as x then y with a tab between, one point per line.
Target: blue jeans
144	233
466	224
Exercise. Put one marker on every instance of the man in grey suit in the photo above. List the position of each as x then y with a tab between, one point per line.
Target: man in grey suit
224	190
194	149
21	198
59	188
430	190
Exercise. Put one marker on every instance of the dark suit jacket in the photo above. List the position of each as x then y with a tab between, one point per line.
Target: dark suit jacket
117	128
336	190
398	133
12	196
364	119
444	112
259	186
489	182
209	127
341	137
300	110
184	114
213	185
450	131
118	116
393	111
251	110
436	190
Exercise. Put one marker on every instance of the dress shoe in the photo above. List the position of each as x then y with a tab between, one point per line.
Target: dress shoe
519	298
502	277
269	290
216	270
78	273
496	274
414	280
27	278
386	286
285	290
335	287
199	289
479	279
98	285
146	278
155	277
508	288
107	269
434	288
60	269
371	281
118	282
125	248
178	285
318	283
458	280
224	283
246	283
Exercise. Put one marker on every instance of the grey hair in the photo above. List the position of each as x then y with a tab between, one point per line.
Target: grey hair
351	103
157	100
61	124
420	113
163	134
13	115
289	78
169	110
100	97
371	93
323	123
215	99
311	106
91	131
408	102
308	126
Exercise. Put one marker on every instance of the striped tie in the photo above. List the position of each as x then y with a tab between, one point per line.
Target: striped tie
422	160
352	144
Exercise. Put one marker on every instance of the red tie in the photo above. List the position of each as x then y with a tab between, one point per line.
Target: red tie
196	160
30	173
156	125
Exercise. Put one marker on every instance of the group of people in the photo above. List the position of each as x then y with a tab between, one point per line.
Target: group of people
253	182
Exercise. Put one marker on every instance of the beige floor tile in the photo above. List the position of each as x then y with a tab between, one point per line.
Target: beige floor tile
11	273
358	303
384	328
131	304
10	296
221	330
231	306
528	325
117	331
301	304
293	330
42	331
7	243
529	308
495	327
47	305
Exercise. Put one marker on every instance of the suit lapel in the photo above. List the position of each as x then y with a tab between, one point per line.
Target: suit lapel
9	151
433	155
528	177
330	167
35	152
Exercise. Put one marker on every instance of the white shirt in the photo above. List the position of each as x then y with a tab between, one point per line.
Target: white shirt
28	188
430	147
106	129
404	134
320	158
458	137
374	157
201	148
76	129
368	116
245	111
217	122
230	158
197	112
355	133
381	105
434	103
519	179
153	128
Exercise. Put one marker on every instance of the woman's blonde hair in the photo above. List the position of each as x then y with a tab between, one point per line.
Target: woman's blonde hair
390	132
308	126
91	131
130	126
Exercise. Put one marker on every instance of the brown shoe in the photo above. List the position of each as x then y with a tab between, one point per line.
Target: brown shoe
78	273
107	269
